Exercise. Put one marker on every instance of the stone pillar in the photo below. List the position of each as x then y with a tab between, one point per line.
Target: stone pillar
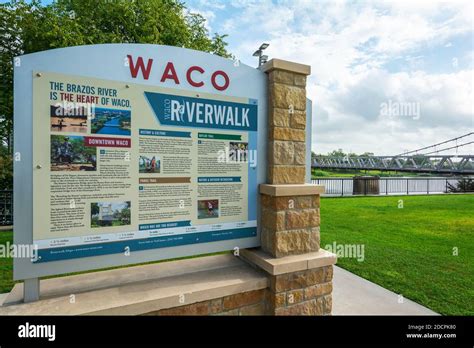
286	121
300	274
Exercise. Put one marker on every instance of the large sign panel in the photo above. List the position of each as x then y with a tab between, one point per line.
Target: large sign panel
128	168
157	159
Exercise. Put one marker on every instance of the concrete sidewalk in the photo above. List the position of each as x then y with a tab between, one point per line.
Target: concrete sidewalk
353	295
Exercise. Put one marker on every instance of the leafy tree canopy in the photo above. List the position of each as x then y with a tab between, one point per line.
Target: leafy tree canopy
27	27
341	154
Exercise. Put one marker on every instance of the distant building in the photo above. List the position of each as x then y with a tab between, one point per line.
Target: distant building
106	213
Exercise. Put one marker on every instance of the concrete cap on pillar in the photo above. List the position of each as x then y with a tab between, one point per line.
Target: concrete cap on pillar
280	64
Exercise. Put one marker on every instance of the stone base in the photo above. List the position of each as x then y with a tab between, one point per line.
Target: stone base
252	284
221	284
301	293
290	219
295	263
245	303
299	285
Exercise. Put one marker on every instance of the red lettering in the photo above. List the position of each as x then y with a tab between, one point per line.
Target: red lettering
170	73
226	78
139	66
190	80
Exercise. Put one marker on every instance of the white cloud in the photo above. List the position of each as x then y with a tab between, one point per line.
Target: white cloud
351	117
212	4
365	53
206	14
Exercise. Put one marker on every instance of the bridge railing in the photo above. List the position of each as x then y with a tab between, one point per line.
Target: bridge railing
334	187
388	186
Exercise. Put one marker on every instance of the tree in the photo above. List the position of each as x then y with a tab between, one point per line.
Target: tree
337	153
27	27
340	153
463	185
95	208
6	169
367	154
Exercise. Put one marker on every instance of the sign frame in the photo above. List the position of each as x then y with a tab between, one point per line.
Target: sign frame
89	61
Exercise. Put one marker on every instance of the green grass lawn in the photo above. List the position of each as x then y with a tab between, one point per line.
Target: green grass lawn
6	264
409	250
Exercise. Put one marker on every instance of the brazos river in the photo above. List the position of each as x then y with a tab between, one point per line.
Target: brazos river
113	127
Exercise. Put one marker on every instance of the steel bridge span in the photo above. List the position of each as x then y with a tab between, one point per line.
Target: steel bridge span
442	164
424	160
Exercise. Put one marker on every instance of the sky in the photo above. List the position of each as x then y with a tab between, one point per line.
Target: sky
387	77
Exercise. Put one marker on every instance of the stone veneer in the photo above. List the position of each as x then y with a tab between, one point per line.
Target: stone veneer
286	126
245	303
298	293
290	224
301	293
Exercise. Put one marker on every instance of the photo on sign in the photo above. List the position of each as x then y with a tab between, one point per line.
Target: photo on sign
71	119
111	121
150	164
106	214
238	151
69	153
208	208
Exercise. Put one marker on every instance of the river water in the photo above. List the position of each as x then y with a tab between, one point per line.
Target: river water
70	124
113	127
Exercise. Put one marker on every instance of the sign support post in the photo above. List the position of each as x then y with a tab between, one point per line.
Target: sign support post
31	290
300	273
